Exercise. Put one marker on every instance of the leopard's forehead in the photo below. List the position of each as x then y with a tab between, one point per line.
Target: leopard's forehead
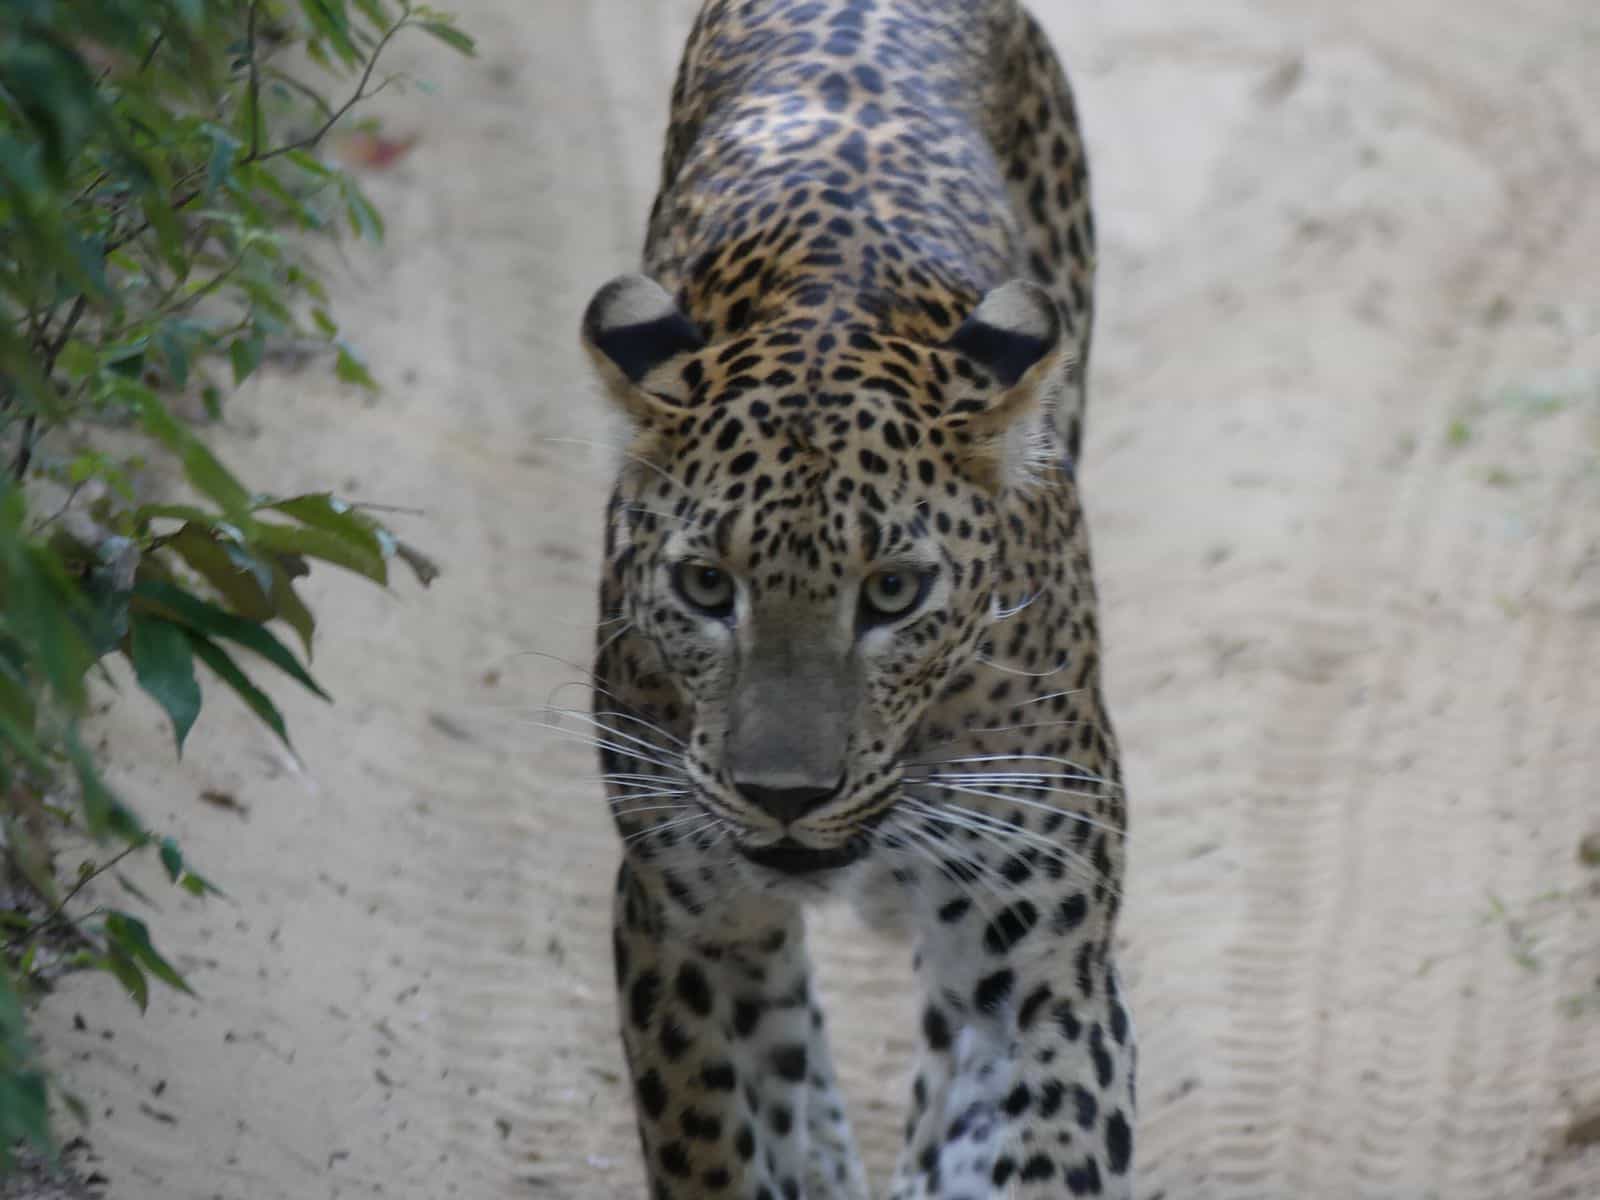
854	476
820	456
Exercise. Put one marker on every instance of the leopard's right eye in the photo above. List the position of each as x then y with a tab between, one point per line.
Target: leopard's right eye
705	587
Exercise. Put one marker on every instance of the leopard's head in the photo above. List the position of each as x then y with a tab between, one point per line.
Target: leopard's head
803	545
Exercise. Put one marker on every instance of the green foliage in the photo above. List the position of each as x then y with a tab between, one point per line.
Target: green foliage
160	179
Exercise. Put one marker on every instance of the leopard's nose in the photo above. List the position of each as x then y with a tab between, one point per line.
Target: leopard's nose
787	804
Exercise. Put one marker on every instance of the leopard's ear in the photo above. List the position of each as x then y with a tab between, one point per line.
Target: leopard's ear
633	330
1017	338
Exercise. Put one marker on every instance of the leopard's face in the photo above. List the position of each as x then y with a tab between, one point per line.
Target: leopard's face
803	541
808	600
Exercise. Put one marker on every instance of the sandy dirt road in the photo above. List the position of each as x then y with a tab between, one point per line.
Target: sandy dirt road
1344	477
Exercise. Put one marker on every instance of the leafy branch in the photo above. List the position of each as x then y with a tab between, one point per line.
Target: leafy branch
160	183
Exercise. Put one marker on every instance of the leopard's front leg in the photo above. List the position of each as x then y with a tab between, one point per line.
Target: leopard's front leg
1024	1087
733	1082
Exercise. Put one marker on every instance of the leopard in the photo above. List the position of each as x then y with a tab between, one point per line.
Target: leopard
847	644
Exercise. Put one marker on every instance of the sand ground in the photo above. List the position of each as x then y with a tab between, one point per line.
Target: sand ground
1344	478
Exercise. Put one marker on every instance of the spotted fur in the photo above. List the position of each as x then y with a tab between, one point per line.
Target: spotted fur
847	641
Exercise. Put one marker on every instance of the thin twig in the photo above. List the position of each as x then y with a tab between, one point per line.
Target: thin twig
59	513
255	82
309	142
361	93
150	54
50	917
30	425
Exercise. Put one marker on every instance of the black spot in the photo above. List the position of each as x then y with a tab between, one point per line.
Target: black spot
674	1041
790	1063
1010	926
745	1143
1119	1023
1016	869
719	1076
1085	1107
1004	1168
781	1119
693	989
853	151
1085	965
835	90
619	956
729	434
1037	999
1102	1057
743	463
935	1029
1050	1097
868	79
954	910
1084	1180
642	997
674	1160
1018	1101
1071	1027
652	1094
746	1016
1038	1168
702	1127
1119	1143
993	990
1071	912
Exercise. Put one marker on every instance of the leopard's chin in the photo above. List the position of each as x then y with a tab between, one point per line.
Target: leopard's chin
789	857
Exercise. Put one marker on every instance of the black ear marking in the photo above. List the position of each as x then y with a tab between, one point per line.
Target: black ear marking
634	323
1014	327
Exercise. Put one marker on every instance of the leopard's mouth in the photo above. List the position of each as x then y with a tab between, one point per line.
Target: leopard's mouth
790	857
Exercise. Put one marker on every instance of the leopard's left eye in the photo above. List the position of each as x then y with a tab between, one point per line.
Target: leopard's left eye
889	595
705	587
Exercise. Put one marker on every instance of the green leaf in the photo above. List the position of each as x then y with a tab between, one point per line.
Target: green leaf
215	657
198	885
350	369
164	667
312	165
450	36
375	12
423	567
205	618
129	934
103	813
291	609
169	234
225	148
322	544
325	324
129	975
16	699
323	510
171	859
219	563
244	353
202	468
175	353
365	220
